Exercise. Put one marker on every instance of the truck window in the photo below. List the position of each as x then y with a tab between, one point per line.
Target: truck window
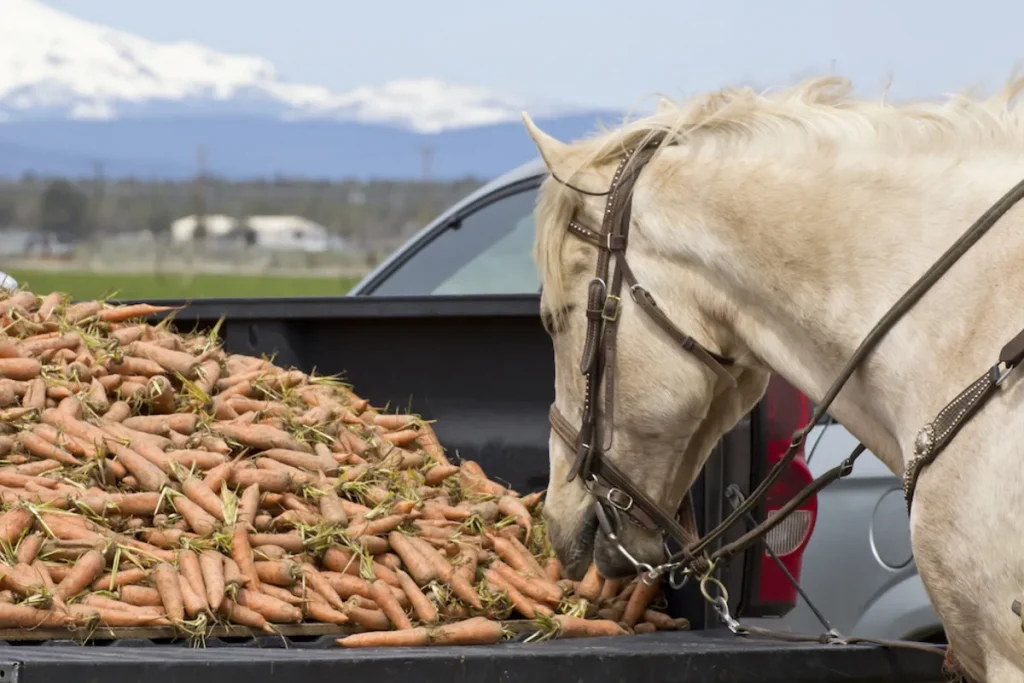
489	252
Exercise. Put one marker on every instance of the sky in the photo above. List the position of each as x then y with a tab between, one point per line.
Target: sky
605	53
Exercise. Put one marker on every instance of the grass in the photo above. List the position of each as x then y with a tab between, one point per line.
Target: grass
87	285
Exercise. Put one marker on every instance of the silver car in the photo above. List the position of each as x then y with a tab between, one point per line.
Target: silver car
858	569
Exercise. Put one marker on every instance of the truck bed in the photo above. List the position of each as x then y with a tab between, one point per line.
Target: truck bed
699	656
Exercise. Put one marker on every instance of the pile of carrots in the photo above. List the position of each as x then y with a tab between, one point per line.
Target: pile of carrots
149	478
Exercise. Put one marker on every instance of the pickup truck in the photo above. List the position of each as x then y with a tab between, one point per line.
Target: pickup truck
481	366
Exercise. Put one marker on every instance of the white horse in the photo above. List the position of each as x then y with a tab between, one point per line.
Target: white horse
777	230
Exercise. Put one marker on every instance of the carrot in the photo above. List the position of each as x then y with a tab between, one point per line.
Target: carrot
261	436
216	476
48	305
14	523
109	582
370	619
20	368
438	473
244	616
141	596
292	542
304	461
277	572
575	627
201	521
664	622
639	600
282	594
530	586
130	365
591	585
85	571
315	580
248	504
520	602
372	528
420	568
207	376
211	565
162	425
76	313
166	580
188	566
273	610
462	588
25	617
553	569
116	314
609	590
472	631
193	603
241	553
424	609
35	397
414	637
33	469
149	476
331	509
267	480
29	546
381	594
323	612
199	493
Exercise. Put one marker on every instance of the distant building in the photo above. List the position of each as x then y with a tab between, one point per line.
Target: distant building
269	232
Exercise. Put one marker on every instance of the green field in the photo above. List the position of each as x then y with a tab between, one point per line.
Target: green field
83	285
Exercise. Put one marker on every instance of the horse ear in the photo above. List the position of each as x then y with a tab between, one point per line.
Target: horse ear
562	160
554	152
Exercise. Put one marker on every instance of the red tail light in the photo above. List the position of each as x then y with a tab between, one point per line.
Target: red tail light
787	411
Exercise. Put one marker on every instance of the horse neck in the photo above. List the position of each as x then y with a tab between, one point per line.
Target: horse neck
813	257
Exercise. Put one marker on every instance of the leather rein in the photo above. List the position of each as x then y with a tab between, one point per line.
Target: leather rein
614	492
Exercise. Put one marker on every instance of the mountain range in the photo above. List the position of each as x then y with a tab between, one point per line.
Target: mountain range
77	96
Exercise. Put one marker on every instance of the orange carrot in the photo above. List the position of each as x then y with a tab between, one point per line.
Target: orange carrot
141	596
200	494
25	617
323	612
292	542
459	585
267	480
639	600
20	368
610	589
472	631
188	565
149	476
575	627
14	523
185	423
531	586
244	616
664	622
277	572
241	553
260	436
420	568
590	586
192	602
85	571
201	521
166	580
247	505
76	313
424	609
109	582
217	476
273	610
522	604
370	619
116	314
211	564
282	594
380	592
29	546
553	569
172	361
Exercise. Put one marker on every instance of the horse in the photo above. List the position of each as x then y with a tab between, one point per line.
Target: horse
767	233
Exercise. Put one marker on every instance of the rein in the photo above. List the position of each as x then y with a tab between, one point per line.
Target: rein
614	492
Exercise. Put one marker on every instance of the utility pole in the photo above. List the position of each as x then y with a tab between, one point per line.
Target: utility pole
200	194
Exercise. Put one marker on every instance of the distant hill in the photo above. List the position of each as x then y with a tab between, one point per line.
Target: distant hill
246	147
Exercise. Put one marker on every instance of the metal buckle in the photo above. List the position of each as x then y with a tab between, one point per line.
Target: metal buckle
615	312
614	496
634	288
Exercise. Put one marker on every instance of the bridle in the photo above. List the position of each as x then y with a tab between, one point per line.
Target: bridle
614	492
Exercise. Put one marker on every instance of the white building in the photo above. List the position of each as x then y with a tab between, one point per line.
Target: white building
270	232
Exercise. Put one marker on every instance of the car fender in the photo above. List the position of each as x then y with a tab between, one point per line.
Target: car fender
903	611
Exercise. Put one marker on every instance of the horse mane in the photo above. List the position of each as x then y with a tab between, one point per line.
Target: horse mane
817	111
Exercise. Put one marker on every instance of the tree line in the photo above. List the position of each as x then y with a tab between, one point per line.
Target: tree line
364	212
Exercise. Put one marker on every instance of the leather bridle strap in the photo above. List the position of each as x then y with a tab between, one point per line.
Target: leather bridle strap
606	479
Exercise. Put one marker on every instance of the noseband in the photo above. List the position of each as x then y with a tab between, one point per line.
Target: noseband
614	492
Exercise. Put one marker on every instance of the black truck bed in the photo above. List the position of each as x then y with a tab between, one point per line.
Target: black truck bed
693	657
482	367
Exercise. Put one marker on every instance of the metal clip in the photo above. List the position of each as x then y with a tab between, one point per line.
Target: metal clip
615	497
722	608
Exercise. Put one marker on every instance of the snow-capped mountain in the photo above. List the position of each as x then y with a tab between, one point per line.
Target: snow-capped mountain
53	65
